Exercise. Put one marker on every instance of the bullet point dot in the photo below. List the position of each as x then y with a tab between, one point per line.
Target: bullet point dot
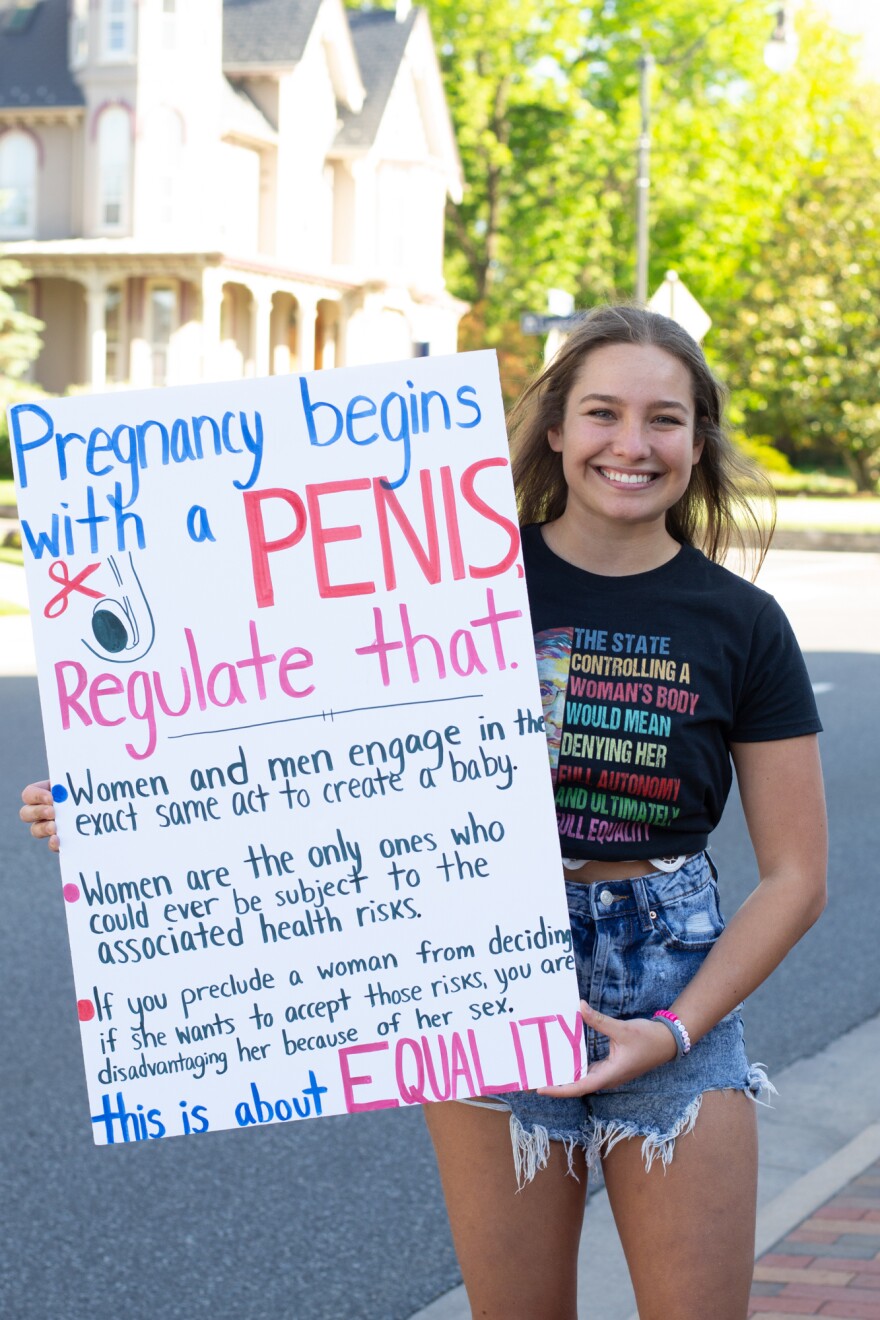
71	893
85	1010
59	793
514	664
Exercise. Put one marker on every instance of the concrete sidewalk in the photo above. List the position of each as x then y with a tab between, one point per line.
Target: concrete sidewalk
822	1133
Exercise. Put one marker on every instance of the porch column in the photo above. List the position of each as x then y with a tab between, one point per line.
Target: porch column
96	332
212	301
306	315
261	329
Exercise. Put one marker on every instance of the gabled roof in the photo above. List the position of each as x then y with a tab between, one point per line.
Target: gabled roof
34	70
380	41
271	32
242	118
33	57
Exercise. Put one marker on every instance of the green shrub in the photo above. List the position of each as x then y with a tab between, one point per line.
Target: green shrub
761	450
12	391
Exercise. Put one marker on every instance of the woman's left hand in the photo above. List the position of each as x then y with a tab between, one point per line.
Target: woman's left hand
636	1047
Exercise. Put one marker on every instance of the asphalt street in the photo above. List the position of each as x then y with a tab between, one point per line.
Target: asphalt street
343	1218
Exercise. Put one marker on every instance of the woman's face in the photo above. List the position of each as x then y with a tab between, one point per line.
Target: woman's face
627	438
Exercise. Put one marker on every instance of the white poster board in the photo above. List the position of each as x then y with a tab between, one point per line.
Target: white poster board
309	855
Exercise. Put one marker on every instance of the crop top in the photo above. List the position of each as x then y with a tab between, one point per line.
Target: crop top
639	723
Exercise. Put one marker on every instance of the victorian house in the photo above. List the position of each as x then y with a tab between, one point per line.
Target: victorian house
210	189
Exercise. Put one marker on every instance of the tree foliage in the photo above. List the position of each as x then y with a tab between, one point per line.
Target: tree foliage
763	196
19	346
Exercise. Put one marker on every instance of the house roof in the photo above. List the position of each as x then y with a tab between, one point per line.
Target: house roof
34	68
242	118
266	31
380	41
33	57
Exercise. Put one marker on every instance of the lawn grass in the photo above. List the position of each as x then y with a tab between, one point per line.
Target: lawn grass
9	555
812	513
6	607
7	492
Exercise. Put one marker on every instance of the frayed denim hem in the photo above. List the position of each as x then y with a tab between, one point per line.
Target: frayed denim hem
655	1145
758	1085
531	1146
531	1150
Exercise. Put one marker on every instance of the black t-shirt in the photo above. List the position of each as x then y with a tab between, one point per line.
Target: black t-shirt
646	680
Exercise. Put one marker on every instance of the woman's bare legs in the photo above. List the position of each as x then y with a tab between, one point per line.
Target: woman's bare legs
689	1231
517	1249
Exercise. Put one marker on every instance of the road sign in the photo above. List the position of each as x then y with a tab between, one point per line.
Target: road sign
536	323
675	300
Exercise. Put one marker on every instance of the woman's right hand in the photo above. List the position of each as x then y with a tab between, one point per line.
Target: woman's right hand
39	813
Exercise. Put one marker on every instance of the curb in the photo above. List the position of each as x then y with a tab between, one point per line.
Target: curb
814	539
798	1201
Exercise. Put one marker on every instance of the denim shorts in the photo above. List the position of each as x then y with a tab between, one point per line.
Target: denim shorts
637	943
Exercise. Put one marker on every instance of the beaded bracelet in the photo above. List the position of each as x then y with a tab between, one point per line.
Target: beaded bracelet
678	1029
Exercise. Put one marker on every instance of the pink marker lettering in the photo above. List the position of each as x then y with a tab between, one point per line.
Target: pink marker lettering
353	1106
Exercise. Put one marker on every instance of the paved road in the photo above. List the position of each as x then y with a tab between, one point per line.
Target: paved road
343	1218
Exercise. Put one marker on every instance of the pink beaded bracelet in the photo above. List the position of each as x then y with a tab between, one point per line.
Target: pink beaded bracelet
678	1029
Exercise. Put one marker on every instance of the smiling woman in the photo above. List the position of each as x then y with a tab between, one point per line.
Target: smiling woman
627	485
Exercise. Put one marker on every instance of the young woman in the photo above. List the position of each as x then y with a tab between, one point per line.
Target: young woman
657	667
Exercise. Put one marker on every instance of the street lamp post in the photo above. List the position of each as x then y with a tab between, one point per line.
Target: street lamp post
643	179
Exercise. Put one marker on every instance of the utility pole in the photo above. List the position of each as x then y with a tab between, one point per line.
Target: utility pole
643	178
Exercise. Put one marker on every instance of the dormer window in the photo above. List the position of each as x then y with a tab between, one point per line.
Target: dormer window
79	33
117	29
18	185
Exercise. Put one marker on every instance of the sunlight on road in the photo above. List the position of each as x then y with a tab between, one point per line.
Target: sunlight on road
831	598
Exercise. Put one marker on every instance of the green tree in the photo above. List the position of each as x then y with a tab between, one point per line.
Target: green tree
545	103
750	178
805	332
523	130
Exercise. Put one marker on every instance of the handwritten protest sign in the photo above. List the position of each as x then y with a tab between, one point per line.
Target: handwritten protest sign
294	731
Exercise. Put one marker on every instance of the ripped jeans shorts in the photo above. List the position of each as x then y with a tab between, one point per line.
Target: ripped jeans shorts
637	943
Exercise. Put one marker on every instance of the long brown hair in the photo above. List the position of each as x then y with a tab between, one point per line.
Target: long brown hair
716	511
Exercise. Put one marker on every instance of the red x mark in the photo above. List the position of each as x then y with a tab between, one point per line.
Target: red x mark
58	604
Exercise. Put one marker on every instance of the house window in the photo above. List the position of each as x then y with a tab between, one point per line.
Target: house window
18	185
162	324
114	154
117	29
